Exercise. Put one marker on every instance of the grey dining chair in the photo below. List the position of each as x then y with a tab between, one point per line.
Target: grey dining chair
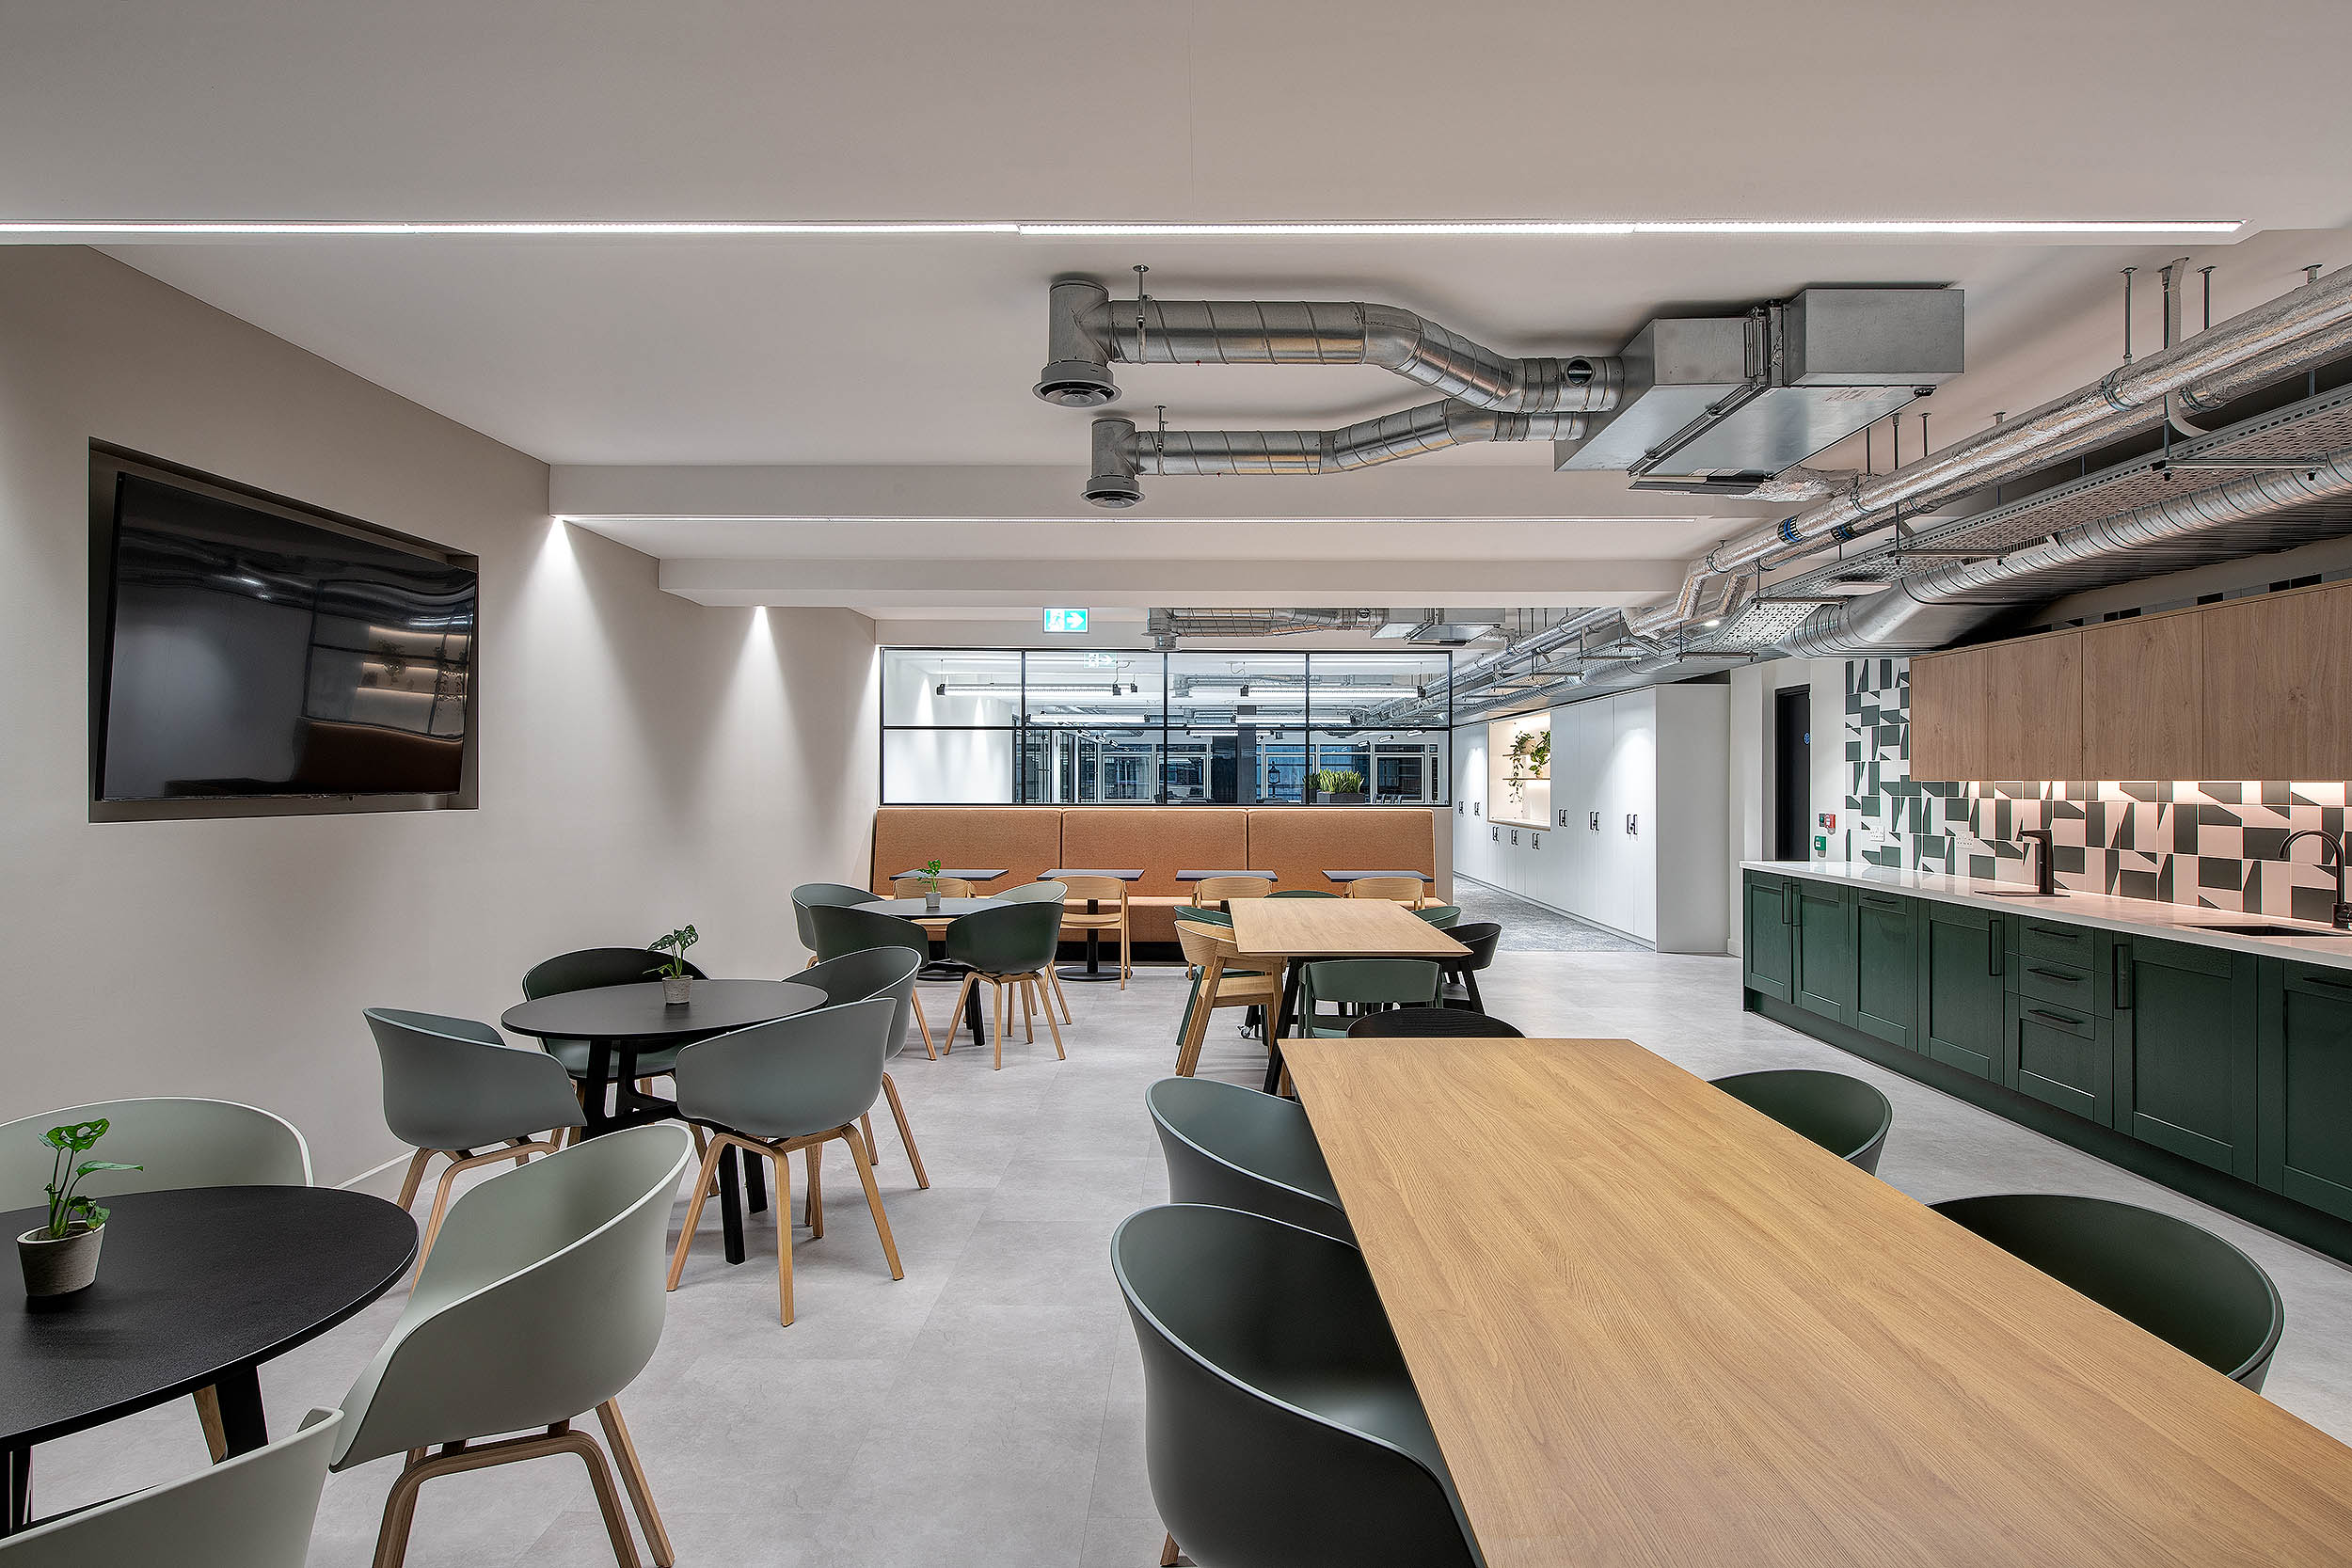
839	930
177	1143
853	977
794	1084
453	1087
1281	1429
543	1302
1483	938
1841	1112
1237	1148
1430	1022
1045	893
811	896
1440	915
255	1511
1009	946
1362	982
587	970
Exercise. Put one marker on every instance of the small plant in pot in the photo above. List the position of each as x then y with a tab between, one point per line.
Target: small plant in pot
931	887
60	1256
677	981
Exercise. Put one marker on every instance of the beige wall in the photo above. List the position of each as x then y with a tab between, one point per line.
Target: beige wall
643	761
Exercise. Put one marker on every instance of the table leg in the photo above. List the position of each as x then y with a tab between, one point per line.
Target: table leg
1286	1021
1092	968
730	1206
756	1184
600	1075
243	1426
20	1488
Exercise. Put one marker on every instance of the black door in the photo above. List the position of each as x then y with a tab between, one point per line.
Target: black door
1792	774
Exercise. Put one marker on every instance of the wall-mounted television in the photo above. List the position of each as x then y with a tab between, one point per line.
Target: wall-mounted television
252	655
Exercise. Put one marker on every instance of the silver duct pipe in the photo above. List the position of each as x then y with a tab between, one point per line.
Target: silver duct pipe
1255	622
2302	328
1085	331
1121	452
1930	609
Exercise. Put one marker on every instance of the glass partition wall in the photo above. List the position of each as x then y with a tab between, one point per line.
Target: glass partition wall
1088	727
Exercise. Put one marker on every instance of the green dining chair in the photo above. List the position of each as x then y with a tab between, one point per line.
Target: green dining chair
1362	983
811	896
1238	1148
839	930
1281	1429
1442	916
876	971
1007	948
2179	1281
587	970
255	1511
1429	1023
1842	1114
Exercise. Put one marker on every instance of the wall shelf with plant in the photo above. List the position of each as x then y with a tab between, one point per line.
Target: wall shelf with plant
1518	765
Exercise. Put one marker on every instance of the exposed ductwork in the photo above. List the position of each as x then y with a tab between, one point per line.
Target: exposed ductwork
1087	332
2304	328
1121	452
1167	625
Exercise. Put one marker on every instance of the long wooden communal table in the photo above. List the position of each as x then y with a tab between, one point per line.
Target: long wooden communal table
1653	1326
1301	931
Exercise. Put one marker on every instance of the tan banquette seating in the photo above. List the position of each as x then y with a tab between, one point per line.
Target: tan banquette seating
1162	840
1297	843
1025	840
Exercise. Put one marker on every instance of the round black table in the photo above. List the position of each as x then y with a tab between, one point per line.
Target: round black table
618	1021
196	1289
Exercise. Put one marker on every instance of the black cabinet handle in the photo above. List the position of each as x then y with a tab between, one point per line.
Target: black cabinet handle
2054	975
2327	985
1993	946
2054	1018
2061	932
1876	902
1788	904
2123	977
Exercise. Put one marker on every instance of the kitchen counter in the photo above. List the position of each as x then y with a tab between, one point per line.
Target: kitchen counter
2132	916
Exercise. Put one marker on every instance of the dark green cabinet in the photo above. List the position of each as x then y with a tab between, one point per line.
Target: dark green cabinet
2064	1056
2304	1078
1822	967
2185	1048
1959	987
1768	940
1886	967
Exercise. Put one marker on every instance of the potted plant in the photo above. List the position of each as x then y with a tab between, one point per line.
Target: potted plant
931	887
677	984
1531	758
1341	785
60	1256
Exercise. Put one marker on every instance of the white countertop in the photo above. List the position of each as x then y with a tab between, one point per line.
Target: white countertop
2133	916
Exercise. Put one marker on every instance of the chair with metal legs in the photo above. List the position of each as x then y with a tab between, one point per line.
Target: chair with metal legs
776	1088
1481	937
453	1087
543	1302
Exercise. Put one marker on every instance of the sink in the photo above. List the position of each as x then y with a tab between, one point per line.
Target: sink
2265	928
2013	892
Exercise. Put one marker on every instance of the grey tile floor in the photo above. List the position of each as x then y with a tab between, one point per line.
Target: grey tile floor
1530	928
988	1409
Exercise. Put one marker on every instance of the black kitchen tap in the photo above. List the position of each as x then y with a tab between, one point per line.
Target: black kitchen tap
2044	873
2331	855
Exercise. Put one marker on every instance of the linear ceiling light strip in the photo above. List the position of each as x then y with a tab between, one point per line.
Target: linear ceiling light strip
80	228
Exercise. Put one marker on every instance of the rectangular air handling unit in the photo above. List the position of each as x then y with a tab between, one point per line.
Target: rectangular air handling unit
1719	404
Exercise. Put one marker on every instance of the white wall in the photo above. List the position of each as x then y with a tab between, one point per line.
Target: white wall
1750	749
643	761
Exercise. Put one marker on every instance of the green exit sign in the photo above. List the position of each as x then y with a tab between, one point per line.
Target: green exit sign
1065	620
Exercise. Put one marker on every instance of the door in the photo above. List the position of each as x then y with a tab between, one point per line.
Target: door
2305	1085
2185	1050
1792	774
1768	940
1886	967
1959	1008
1823	977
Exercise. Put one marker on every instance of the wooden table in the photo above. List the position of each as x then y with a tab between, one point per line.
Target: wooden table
1652	1326
1301	930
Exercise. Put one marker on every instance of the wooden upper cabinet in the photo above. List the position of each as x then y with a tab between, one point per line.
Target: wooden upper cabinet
2278	692
2144	700
2009	710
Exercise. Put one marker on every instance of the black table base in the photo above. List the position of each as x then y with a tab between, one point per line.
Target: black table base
1092	968
1283	1025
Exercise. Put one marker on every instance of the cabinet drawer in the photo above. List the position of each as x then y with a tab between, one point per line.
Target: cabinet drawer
2060	1055
2071	986
2047	938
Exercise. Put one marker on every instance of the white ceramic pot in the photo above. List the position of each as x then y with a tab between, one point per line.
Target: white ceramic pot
677	989
931	903
60	1265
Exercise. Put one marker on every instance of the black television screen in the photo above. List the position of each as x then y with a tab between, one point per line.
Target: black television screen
250	654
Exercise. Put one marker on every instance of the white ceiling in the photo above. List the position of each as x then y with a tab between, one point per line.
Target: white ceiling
888	377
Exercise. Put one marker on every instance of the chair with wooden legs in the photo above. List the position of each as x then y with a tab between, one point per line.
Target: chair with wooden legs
773	1088
1223	977
840	931
180	1142
1110	896
915	887
1009	946
452	1086
1210	892
1362	986
543	1302
1397	889
586	969
854	976
811	896
254	1510
1047	893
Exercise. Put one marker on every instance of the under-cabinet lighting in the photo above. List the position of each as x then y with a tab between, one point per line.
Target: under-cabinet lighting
84	229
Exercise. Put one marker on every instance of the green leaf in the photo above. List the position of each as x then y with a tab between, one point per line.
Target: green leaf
88	1165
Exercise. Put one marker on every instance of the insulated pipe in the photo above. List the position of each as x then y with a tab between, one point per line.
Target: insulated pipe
1121	452
2303	326
1927	611
1087	330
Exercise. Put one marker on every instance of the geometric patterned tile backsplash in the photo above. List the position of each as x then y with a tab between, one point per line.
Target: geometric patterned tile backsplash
2212	843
